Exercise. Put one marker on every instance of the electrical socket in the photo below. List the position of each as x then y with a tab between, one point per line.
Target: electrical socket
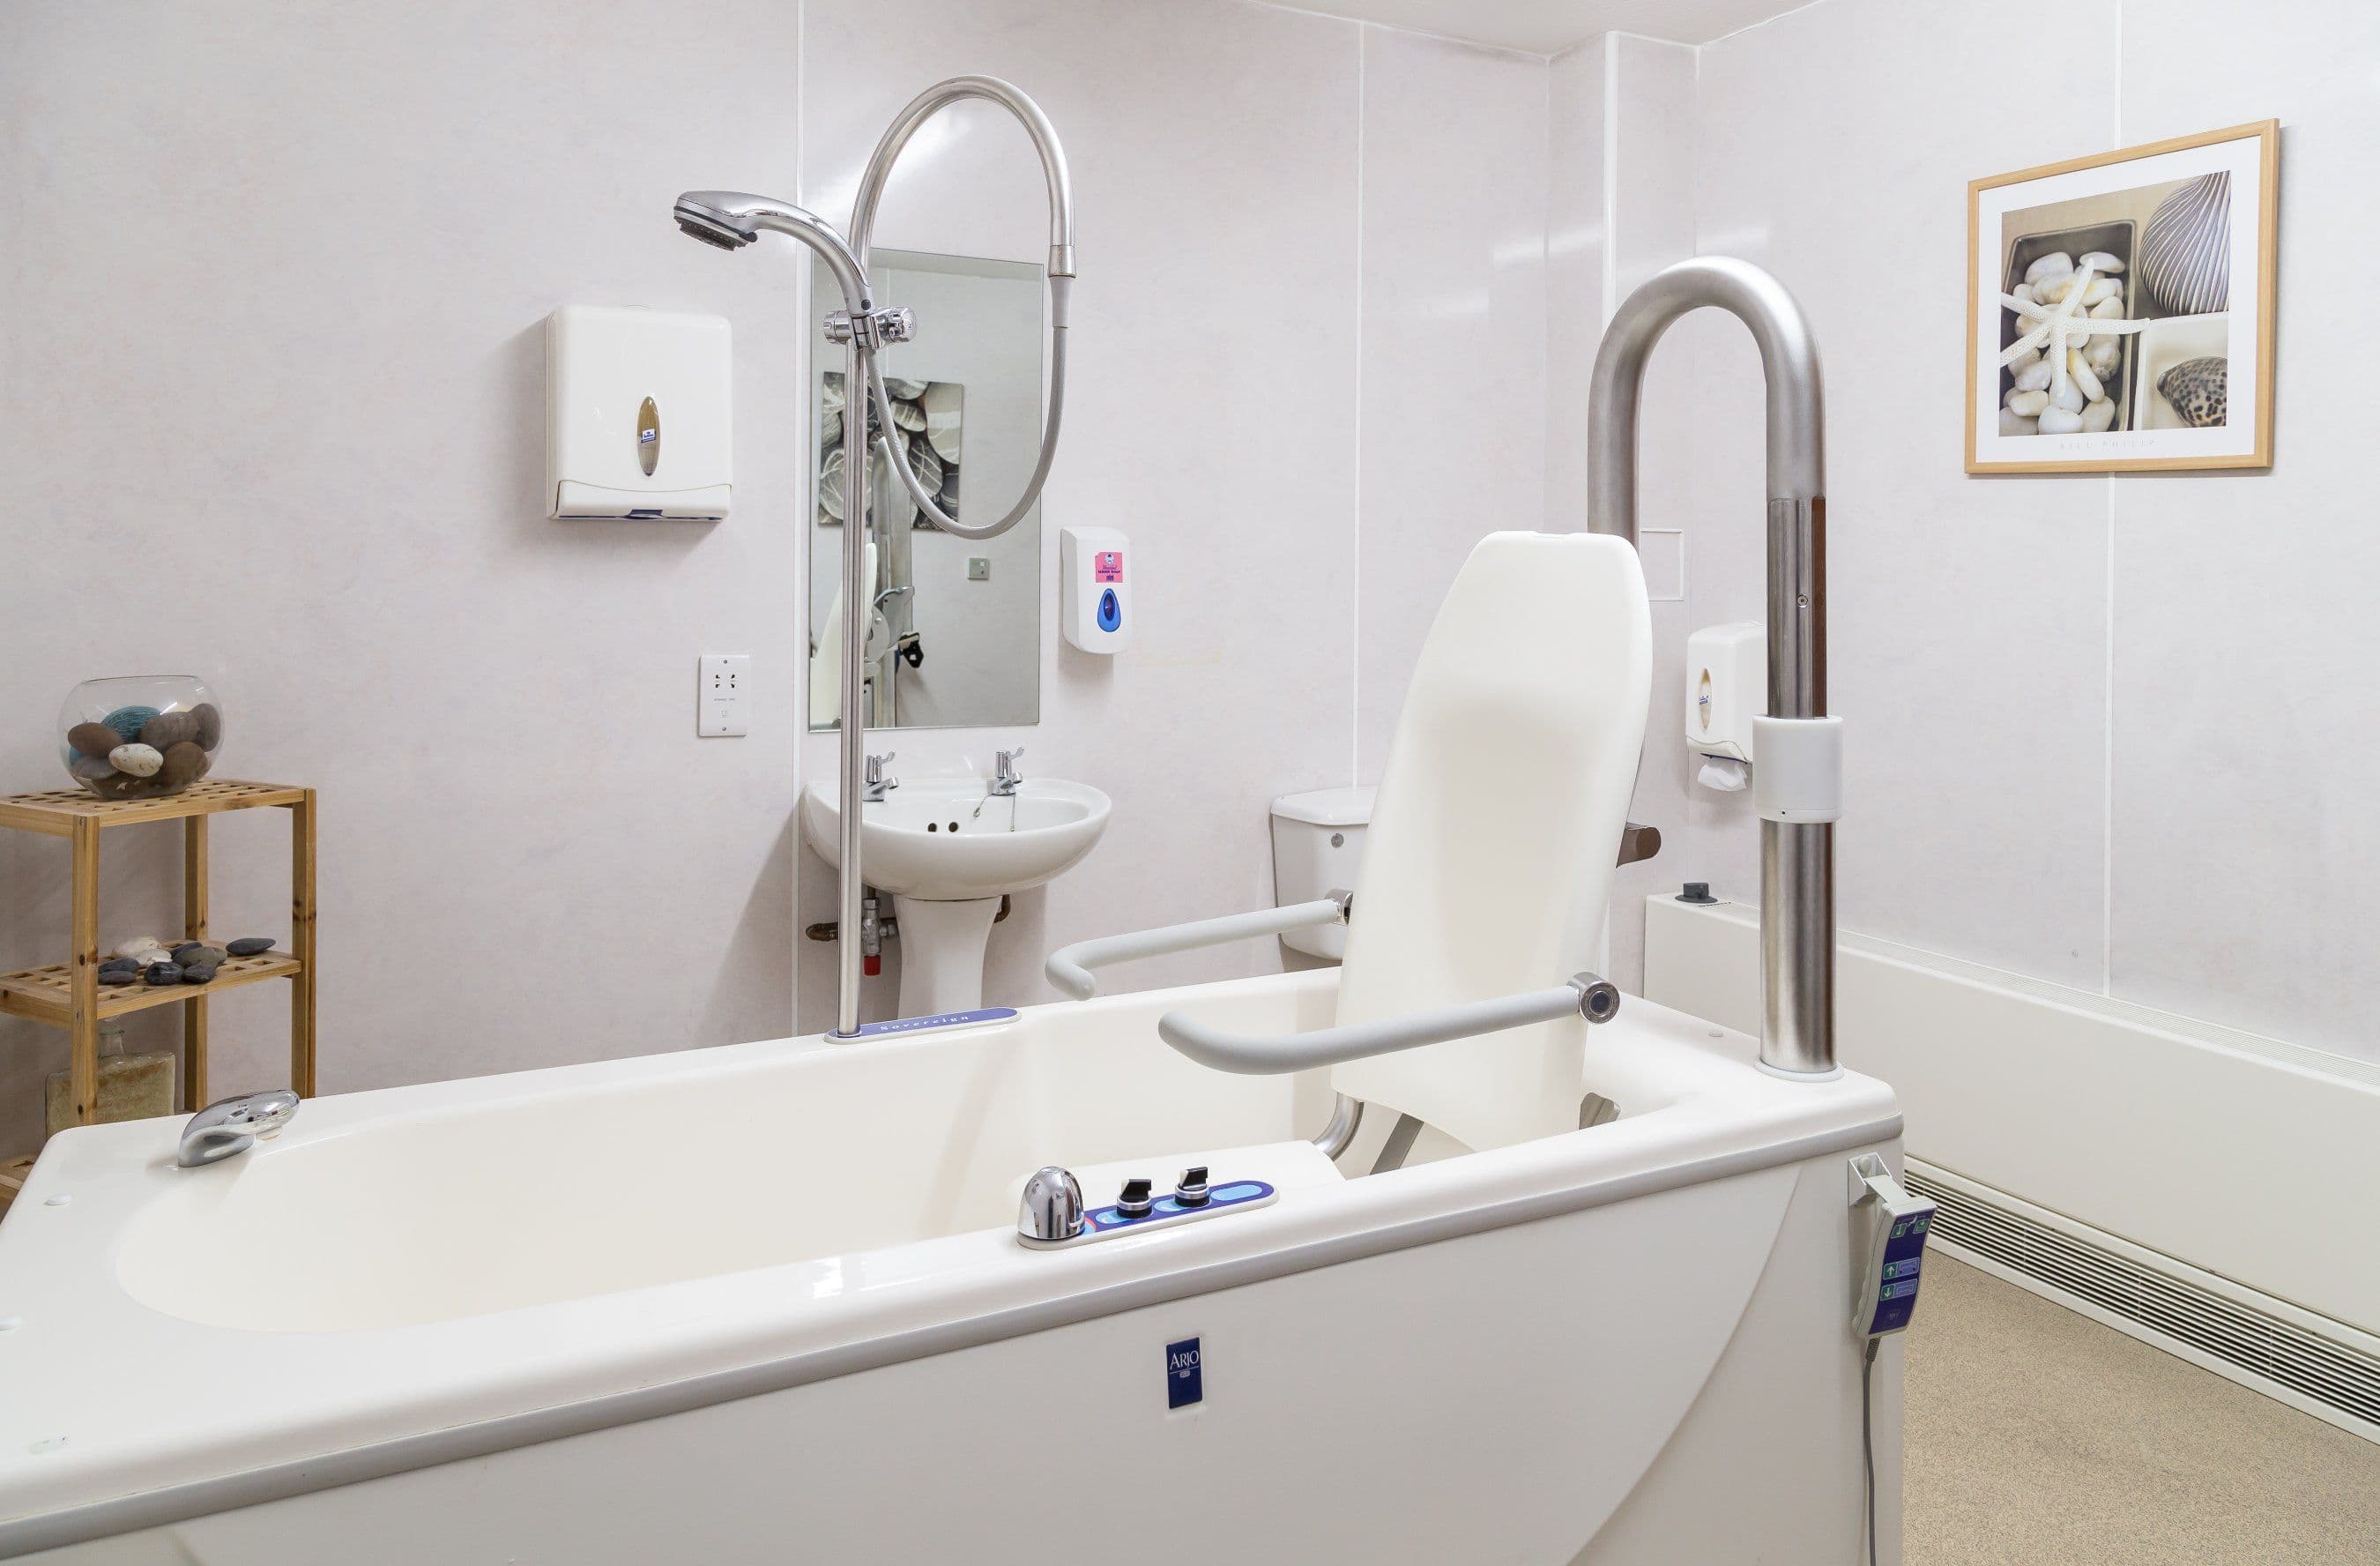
723	696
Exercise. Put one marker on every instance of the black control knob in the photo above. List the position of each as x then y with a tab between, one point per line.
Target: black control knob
1190	1191
1135	1201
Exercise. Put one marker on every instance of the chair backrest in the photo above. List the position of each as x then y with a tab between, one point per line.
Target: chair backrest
1489	863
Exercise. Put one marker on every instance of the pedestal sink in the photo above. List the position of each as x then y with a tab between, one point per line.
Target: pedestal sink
948	850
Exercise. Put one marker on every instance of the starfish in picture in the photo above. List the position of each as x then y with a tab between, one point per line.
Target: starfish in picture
2059	322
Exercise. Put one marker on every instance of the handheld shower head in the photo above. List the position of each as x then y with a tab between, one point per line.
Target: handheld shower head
699	216
732	219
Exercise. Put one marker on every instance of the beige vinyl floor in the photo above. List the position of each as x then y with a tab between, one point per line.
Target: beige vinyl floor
2037	1436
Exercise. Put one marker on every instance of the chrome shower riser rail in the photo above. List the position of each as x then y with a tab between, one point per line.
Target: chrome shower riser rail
731	219
1797	894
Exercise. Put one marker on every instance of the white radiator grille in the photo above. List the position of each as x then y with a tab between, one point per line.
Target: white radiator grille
2336	1375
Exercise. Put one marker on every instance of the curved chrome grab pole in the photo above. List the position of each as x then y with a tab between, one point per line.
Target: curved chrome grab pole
1797	858
1061	276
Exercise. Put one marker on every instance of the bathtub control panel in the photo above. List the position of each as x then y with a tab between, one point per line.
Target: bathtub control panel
1889	1245
1205	1200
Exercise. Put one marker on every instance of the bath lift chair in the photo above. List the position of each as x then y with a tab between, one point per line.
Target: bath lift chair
1464	996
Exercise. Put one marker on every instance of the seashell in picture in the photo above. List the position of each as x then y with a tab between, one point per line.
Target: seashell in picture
830	485
941	401
948	499
2199	391
888	497
2186	255
908	415
904	391
924	462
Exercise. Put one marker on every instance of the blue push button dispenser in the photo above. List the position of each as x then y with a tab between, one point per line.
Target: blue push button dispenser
1887	1247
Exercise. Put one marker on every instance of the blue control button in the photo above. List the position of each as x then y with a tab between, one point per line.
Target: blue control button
1111	610
1235	1193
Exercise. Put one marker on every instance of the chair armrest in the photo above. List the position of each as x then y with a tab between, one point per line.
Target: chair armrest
1261	1055
1069	967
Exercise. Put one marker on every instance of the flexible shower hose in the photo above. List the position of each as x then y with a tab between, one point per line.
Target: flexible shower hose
1059	287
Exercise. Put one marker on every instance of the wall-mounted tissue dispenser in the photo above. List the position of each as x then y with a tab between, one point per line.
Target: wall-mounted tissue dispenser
1727	687
638	405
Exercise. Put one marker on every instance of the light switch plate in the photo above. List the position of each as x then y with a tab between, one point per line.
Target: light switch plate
978	568
723	696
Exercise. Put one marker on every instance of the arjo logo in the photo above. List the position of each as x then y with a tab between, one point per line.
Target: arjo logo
1185	1379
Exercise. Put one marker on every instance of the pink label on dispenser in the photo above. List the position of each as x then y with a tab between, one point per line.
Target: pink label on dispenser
1108	565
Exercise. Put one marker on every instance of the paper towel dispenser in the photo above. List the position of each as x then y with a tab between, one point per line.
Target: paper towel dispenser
639	409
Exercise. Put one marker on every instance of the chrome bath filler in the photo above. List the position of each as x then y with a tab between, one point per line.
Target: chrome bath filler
732	219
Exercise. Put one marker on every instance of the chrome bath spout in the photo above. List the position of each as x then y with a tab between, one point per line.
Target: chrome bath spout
231	1126
1797	855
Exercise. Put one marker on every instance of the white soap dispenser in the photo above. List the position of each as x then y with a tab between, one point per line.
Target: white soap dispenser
1095	589
1727	687
639	408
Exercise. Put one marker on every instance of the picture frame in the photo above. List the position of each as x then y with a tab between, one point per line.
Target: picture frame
2153	246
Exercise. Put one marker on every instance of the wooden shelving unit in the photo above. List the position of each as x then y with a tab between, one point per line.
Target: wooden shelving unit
68	995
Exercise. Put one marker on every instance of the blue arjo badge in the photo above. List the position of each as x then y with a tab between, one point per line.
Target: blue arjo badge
1186	1381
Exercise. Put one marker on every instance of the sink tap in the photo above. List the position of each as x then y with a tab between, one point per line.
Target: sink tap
878	782
234	1125
1005	778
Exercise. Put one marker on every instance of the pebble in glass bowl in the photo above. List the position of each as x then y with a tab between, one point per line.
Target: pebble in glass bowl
139	736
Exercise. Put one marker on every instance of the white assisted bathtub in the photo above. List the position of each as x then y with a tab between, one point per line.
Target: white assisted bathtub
767	1304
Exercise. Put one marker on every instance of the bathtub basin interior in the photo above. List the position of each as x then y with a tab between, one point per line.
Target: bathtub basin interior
773	1155
821	1150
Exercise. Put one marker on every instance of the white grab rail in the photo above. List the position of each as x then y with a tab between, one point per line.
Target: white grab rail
1069	967
1595	998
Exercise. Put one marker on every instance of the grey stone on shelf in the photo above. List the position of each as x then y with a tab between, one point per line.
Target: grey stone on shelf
249	946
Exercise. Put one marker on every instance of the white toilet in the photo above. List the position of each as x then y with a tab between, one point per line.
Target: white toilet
1317	846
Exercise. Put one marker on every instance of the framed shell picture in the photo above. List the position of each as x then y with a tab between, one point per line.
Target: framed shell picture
2120	309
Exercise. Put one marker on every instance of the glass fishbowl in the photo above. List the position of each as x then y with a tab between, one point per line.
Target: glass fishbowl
139	736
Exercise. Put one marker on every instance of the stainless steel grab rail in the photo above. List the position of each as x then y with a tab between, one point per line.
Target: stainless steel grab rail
1797	858
1595	998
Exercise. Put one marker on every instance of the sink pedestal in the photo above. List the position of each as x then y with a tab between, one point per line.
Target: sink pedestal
941	953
